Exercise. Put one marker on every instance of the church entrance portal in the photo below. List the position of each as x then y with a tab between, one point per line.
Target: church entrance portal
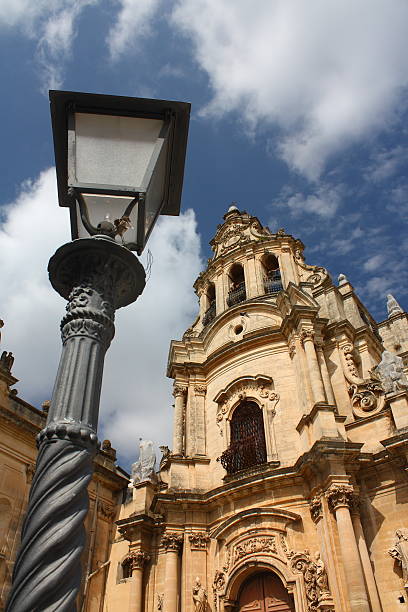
264	592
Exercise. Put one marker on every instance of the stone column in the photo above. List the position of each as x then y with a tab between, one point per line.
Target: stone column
179	393
199	401
325	374
340	498
317	514
301	387
172	542
365	558
250	276
307	336
138	560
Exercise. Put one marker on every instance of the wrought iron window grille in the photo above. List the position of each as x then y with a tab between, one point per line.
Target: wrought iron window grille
237	294
210	314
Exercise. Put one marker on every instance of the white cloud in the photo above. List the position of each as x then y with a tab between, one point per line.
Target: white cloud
324	202
385	163
374	262
136	399
326	74
132	24
51	23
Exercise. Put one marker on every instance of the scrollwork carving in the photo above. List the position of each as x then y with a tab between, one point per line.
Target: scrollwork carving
253	546
365	397
259	388
199	540
179	390
172	541
138	559
315	577
339	496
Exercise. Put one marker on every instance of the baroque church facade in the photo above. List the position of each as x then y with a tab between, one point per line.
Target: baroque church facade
285	489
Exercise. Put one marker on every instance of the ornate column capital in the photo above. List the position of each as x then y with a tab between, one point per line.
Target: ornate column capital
200	389
307	334
339	496
316	508
199	540
138	559
172	541
179	390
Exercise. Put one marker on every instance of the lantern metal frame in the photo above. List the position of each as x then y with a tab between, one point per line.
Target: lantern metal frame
175	115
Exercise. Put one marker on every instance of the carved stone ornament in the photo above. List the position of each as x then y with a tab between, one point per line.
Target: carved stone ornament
219	581
199	540
311	274
292	348
258	388
339	496
316	583
179	390
172	541
393	308
138	559
366	398
316	508
390	371
399	552
366	394
200	389
160	600
106	510
288	553
307	334
238	230
253	546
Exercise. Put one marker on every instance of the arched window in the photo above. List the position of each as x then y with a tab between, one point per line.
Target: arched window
272	274
210	306
248	447
237	291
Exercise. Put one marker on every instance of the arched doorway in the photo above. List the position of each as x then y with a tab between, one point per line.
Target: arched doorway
264	592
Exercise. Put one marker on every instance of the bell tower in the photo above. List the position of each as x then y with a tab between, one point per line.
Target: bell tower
285	488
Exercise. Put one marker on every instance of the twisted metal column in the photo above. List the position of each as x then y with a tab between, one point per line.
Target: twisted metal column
96	276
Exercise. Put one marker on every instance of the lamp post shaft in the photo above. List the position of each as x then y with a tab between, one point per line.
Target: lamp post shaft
97	276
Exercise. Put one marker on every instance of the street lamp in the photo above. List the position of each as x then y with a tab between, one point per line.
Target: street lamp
120	163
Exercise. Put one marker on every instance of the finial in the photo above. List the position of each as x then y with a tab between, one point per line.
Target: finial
233	207
393	307
342	278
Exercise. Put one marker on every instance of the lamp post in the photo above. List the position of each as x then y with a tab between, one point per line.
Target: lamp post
120	163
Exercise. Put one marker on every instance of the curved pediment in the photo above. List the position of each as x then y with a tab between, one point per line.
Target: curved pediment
278	517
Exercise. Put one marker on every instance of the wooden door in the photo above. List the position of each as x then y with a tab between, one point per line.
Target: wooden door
264	593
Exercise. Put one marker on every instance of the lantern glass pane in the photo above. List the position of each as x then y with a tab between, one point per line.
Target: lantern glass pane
108	208
156	191
114	150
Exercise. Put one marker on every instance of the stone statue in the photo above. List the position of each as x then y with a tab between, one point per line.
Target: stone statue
144	468
6	361
392	306
342	279
321	578
199	596
400	552
391	372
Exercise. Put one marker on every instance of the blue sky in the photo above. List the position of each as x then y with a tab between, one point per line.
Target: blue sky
298	114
